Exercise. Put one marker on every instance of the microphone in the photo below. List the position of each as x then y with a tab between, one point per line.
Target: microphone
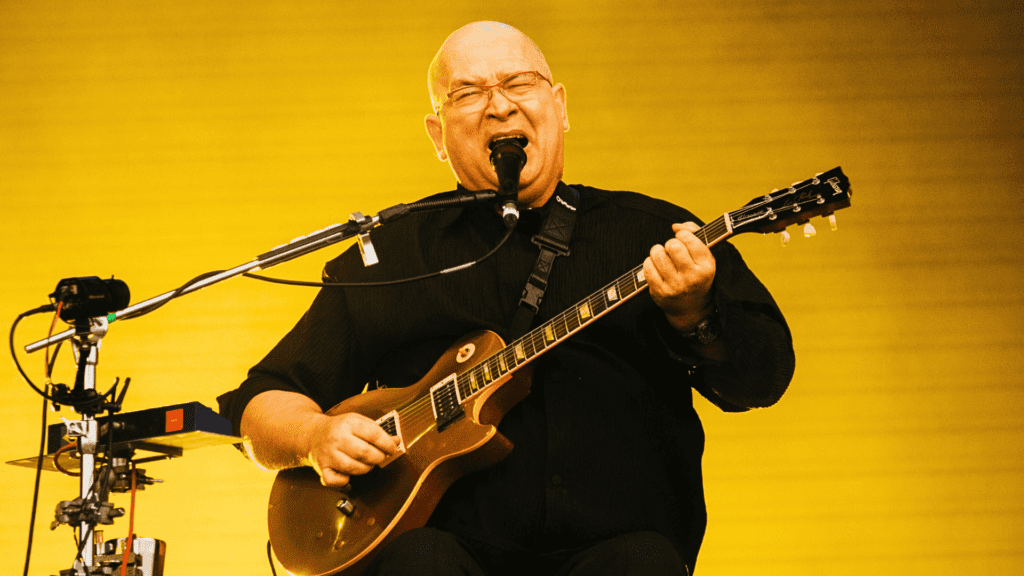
508	159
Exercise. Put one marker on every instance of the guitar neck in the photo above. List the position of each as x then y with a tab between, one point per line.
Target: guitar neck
565	324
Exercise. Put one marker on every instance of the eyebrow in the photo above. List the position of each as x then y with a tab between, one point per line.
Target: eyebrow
478	81
465	82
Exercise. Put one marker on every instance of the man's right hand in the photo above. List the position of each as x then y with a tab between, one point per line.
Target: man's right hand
346	445
287	429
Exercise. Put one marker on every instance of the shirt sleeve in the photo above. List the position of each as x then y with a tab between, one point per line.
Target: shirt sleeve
755	334
317	358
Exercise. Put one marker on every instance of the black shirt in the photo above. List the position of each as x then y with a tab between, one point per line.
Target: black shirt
607	441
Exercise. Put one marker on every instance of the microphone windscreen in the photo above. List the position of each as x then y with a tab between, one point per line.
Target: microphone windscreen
508	159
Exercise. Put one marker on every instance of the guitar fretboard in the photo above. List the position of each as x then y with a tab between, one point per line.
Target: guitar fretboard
554	331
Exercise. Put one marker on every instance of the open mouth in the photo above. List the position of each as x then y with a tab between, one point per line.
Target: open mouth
519	139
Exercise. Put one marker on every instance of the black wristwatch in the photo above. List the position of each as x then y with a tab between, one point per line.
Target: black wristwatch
707	330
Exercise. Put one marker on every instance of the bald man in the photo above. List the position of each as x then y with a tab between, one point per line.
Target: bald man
605	474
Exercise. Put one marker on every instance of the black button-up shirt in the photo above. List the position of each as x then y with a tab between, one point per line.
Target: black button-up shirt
607	441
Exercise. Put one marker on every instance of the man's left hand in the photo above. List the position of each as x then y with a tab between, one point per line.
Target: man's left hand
679	275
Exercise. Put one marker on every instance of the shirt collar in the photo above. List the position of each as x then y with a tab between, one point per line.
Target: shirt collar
447	218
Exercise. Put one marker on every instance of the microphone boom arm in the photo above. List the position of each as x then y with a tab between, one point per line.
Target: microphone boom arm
357	225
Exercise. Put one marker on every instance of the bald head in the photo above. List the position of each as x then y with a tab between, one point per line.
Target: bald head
475	44
484	54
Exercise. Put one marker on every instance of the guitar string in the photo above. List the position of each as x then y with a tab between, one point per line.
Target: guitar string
412	414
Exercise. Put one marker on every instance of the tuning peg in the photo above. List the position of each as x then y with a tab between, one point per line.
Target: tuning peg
809	230
785	238
832	222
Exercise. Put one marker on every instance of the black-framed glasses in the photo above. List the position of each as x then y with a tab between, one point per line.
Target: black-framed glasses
516	88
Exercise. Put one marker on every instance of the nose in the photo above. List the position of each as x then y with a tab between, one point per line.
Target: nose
498	105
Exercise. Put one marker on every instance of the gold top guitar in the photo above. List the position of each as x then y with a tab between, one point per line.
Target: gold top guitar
447	422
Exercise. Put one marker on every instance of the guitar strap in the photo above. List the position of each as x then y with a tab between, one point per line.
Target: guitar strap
553	241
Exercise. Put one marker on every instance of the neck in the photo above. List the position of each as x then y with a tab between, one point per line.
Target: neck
527	198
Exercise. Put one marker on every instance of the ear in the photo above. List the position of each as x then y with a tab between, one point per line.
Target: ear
436	135
559	93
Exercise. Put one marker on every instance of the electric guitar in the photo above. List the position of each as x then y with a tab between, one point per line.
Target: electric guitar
447	422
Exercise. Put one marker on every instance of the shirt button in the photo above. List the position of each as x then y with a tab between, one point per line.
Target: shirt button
556	480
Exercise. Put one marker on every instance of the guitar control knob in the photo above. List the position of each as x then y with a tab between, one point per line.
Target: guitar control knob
346	507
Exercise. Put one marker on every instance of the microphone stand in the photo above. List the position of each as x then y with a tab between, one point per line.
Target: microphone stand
357	225
89	332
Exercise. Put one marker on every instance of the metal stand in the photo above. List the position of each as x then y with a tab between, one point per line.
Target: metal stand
91	508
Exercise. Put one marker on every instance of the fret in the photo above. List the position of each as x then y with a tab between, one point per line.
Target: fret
558	324
462	390
627	285
574	321
528	345
536	341
510	358
598	304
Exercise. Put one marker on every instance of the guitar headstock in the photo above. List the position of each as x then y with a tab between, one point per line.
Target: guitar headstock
797	204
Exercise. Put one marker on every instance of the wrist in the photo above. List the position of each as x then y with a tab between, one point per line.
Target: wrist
704	331
308	435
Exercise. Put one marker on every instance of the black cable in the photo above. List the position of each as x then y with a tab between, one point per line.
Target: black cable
270	558
53	361
175	294
386	282
81	545
14	354
35	490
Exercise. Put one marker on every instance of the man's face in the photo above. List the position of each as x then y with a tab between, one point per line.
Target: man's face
462	138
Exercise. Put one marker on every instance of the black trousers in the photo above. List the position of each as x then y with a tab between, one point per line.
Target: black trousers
432	552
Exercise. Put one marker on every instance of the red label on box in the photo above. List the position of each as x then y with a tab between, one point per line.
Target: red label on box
175	420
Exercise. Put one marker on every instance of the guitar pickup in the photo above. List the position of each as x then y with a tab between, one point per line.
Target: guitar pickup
390	423
447	402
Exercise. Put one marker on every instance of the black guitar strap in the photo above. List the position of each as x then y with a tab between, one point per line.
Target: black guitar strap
553	241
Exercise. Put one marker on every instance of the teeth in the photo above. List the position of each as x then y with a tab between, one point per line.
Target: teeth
519	138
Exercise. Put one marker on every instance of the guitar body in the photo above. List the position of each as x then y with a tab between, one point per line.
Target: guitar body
312	535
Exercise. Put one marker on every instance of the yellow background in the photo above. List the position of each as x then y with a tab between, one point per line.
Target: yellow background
158	140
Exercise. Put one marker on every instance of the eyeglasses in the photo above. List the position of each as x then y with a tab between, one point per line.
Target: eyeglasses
516	88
